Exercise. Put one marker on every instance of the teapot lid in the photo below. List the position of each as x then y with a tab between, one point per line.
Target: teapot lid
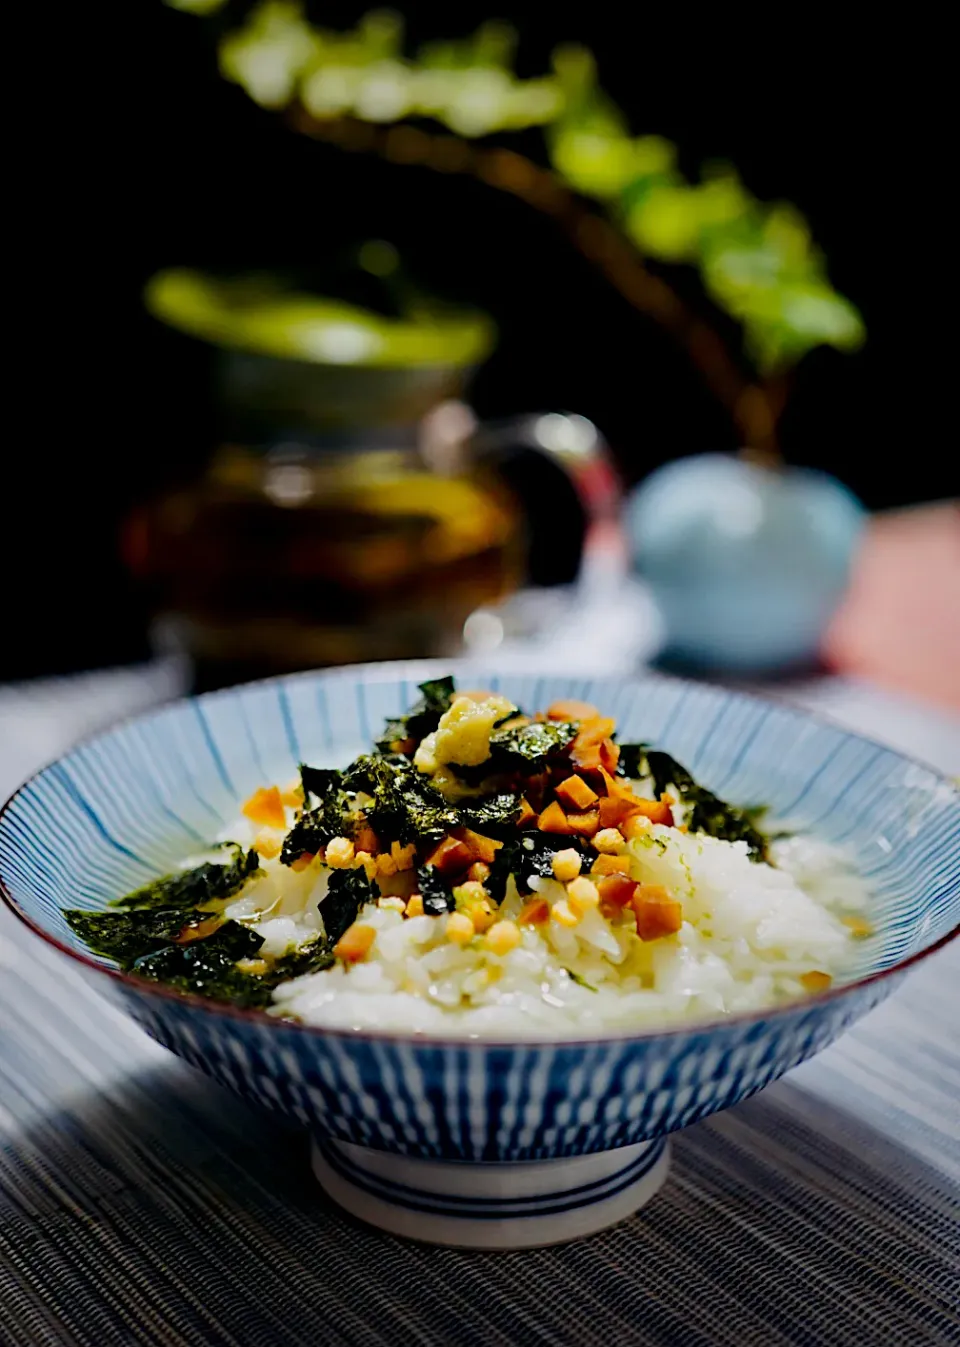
263	314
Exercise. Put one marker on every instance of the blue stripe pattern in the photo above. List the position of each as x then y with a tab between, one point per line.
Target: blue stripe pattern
130	804
492	1208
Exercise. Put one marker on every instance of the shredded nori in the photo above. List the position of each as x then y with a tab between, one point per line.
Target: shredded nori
394	734
494	816
347	892
128	936
318	782
209	968
530	854
633	761
142	936
200	960
708	813
503	866
207	883
435	892
538	849
312	958
422	718
406	807
531	747
528	749
336	815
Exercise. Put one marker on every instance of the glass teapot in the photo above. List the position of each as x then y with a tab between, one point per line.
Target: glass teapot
353	508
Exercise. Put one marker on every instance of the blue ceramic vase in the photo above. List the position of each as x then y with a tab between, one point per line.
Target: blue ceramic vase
746	563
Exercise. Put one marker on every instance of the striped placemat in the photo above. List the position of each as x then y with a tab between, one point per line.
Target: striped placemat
140	1203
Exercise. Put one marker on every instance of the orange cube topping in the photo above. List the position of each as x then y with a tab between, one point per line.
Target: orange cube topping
571	709
266	808
450	856
534	912
611	865
554	820
574	793
657	913
355	943
617	889
657	811
613	810
609	755
815	981
365	839
585	824
481	848
527	816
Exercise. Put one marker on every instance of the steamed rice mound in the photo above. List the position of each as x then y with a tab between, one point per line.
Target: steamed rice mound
748	937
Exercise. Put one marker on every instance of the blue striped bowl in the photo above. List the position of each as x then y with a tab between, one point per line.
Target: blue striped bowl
560	1138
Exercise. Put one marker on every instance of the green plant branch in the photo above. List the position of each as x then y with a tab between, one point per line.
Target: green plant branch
756	260
753	408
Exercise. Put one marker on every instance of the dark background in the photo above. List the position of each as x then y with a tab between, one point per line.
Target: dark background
149	158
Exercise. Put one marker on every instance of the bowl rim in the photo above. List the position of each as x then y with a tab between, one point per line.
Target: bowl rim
398	669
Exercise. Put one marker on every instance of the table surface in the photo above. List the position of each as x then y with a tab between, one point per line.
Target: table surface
141	1203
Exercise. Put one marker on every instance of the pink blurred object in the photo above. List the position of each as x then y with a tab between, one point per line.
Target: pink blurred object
899	624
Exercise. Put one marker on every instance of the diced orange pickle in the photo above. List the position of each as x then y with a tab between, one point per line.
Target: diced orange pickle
617	889
585	824
571	709
554	820
266	808
815	981
481	848
657	913
355	943
450	856
574	793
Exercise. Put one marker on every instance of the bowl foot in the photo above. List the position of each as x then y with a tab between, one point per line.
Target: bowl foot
517	1205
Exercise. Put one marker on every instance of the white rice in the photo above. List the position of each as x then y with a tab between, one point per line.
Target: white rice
750	931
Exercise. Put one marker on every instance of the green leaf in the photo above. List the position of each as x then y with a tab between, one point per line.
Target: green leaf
408	808
494	816
532	746
312	958
525	856
405	808
208	971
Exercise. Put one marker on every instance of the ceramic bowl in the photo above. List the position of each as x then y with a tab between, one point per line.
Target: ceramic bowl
483	1144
